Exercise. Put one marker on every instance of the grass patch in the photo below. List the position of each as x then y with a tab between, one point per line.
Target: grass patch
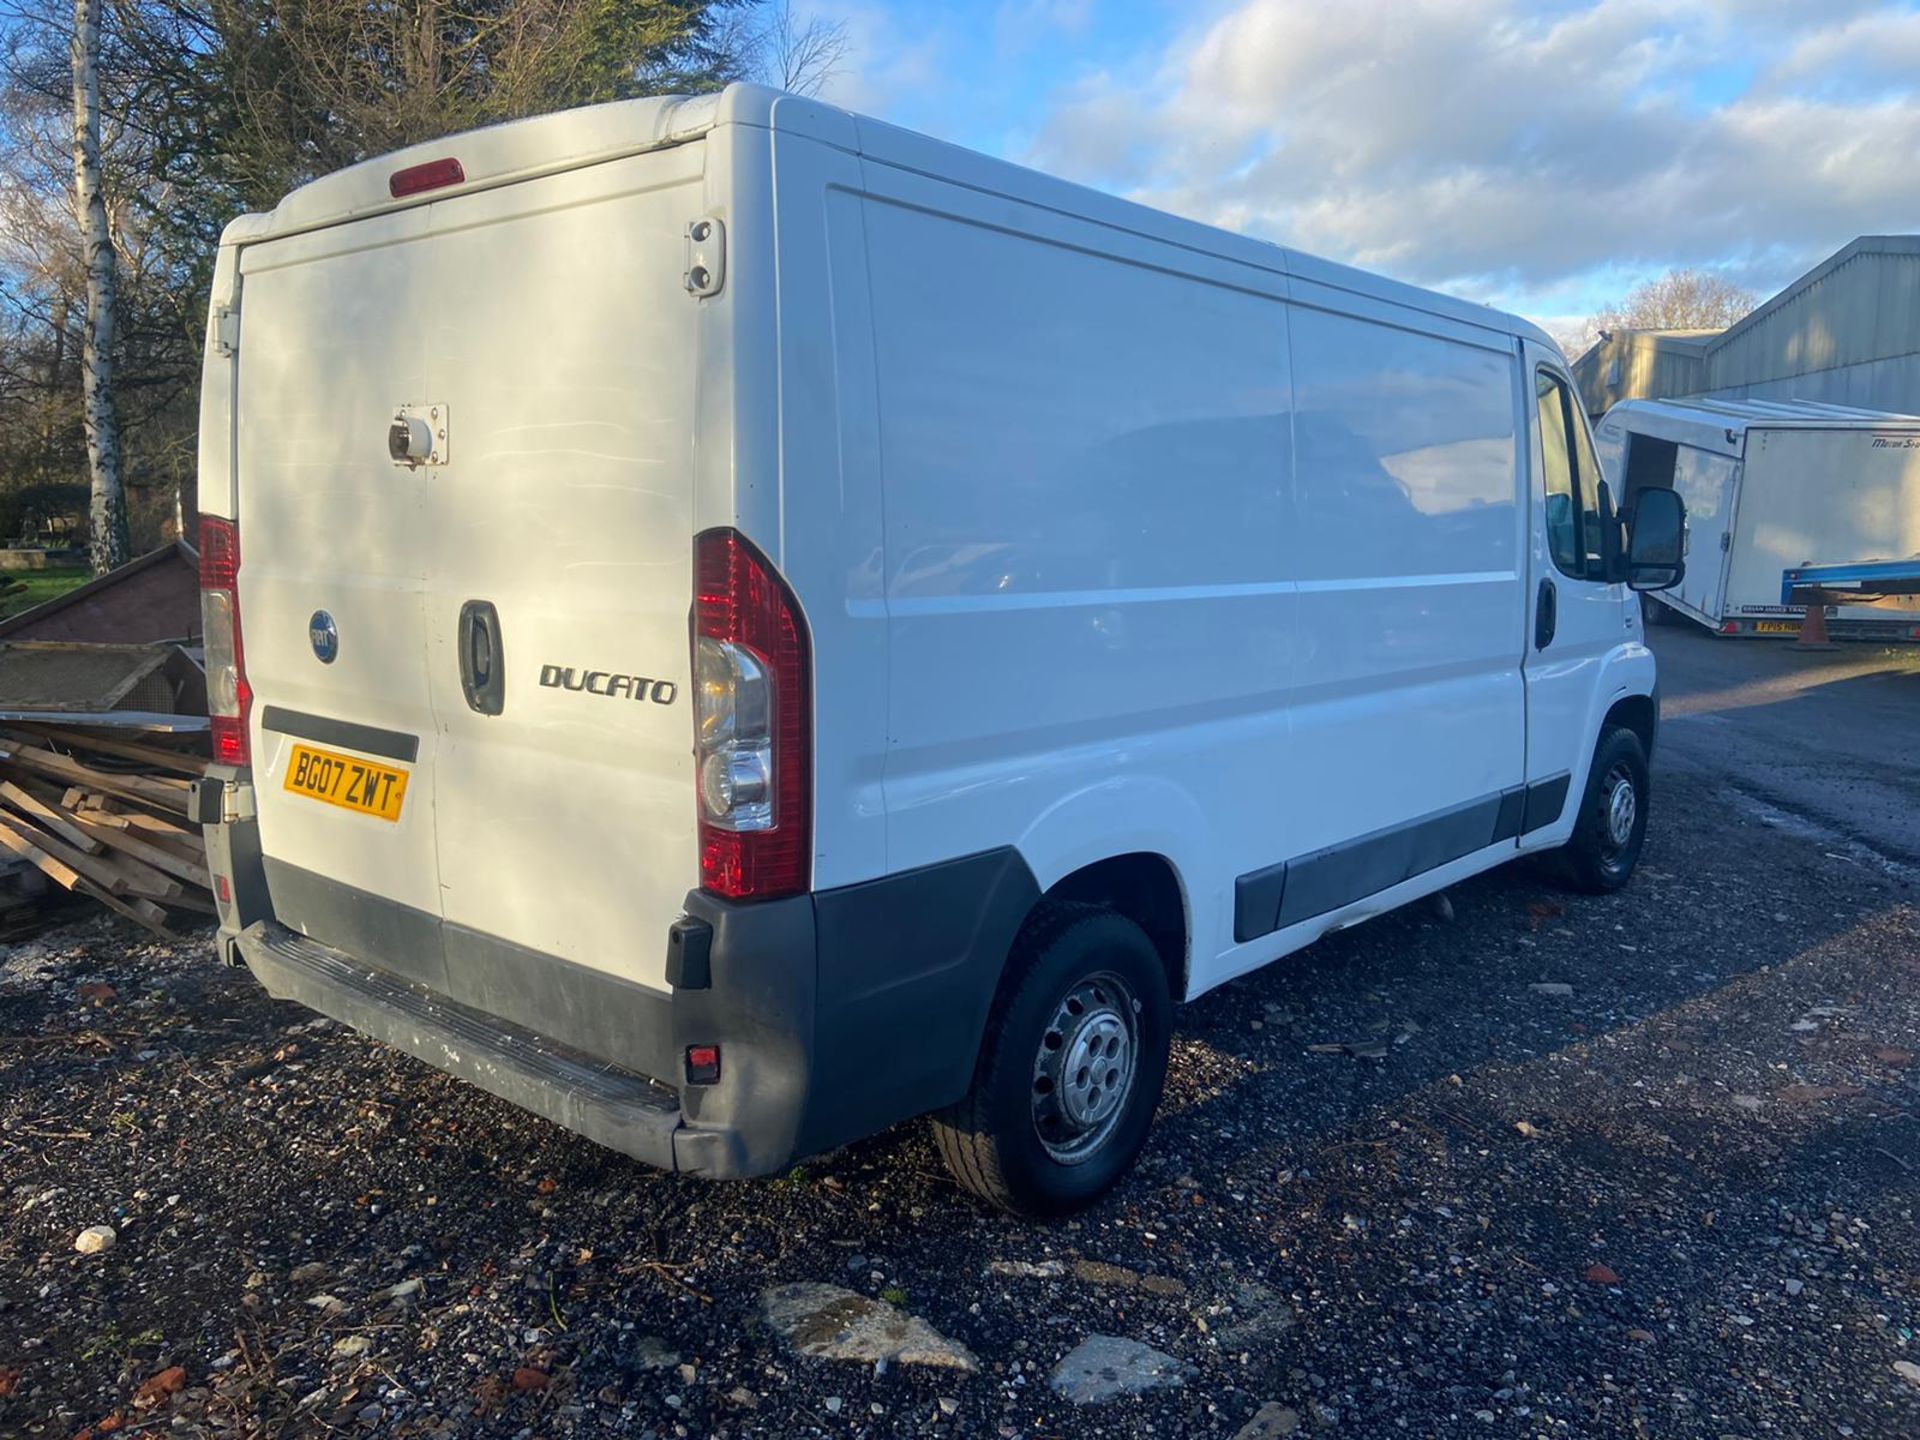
36	586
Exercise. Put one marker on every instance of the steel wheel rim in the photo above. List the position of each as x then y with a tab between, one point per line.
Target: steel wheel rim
1620	809
1086	1067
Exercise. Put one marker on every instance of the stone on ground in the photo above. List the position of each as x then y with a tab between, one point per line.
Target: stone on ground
837	1324
1269	1422
1105	1367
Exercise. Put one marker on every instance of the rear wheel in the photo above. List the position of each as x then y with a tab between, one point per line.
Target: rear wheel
1072	1066
1612	825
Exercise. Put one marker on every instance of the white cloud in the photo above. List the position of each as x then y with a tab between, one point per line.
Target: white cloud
1513	151
1877	49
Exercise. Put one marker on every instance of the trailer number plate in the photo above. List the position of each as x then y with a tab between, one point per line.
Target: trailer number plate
1775	627
358	785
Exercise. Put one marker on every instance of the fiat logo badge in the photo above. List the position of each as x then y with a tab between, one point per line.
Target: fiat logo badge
324	636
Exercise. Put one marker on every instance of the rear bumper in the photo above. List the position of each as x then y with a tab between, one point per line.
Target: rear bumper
616	1108
837	1013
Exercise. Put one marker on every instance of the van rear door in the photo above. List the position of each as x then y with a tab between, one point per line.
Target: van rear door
562	344
1710	484
334	548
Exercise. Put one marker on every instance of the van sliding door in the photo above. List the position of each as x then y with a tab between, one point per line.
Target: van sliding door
1408	712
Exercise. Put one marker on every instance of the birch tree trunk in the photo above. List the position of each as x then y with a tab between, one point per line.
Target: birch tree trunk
107	543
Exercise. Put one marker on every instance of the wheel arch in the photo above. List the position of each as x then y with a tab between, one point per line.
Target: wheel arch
1638	713
1145	888
1133	843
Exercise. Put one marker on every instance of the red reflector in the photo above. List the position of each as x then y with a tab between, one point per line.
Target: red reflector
433	175
703	1064
222	891
1732	627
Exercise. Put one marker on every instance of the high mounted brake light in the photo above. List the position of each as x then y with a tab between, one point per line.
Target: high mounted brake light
431	175
753	717
229	697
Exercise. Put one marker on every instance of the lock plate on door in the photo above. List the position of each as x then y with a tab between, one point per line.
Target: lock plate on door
419	435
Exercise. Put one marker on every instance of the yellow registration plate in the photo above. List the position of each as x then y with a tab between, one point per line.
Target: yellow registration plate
359	785
1775	627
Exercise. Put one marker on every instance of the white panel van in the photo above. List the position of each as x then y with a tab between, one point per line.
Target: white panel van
733	626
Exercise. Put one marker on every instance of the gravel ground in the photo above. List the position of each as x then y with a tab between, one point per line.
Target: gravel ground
1643	1165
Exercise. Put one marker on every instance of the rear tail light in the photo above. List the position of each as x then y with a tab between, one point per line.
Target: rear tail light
752	714
229	697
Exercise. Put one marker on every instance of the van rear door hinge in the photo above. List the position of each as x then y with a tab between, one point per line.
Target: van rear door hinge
706	256
226	330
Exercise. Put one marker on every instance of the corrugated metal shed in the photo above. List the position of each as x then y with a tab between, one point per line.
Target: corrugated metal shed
1630	364
1848	332
1845	333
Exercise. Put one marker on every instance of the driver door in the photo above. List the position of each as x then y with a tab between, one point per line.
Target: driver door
1576	617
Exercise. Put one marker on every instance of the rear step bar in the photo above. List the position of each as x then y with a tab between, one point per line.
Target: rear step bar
618	1108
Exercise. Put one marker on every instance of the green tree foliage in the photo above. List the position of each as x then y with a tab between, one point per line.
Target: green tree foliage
216	107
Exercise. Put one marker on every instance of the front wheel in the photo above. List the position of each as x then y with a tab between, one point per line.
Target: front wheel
1612	825
1072	1067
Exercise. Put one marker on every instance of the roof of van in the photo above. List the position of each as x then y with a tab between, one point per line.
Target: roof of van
545	144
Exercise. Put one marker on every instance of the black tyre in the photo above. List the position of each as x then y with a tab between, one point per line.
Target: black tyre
1612	825
1071	1069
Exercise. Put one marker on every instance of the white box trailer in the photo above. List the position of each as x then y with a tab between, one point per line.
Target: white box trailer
1771	485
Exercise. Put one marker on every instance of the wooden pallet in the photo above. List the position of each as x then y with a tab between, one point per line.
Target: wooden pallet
106	817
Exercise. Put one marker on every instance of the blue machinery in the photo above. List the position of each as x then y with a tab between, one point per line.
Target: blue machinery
1870	580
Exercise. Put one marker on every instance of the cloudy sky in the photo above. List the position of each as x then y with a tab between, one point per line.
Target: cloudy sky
1544	155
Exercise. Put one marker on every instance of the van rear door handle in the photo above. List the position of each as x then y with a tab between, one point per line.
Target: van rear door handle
1546	613
483	667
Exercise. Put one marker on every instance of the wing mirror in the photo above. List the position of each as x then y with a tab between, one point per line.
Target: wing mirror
1656	539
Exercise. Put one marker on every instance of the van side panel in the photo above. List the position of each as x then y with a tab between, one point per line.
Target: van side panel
827	531
1408	696
1085	441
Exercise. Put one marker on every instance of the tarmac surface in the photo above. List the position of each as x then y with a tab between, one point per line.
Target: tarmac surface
1827	735
1644	1165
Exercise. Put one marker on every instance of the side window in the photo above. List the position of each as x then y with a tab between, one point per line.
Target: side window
1586	484
1569	469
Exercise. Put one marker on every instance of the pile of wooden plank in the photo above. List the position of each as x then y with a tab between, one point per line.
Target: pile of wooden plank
105	817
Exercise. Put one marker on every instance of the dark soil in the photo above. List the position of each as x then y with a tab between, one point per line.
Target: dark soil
1679	1201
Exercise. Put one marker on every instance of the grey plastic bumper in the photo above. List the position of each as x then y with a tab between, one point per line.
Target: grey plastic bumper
837	1013
617	1108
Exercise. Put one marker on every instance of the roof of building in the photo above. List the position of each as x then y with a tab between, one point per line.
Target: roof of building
1679	342
155	596
1673	339
1863	245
